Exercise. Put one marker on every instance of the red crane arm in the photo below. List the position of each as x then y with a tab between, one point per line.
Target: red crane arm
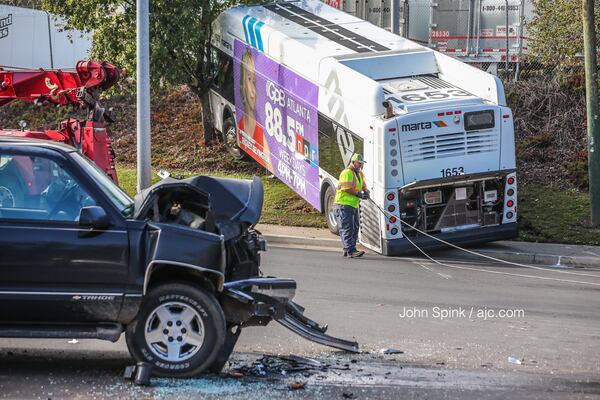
57	86
79	88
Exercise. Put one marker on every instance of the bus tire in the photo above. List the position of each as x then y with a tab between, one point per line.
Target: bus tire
328	205
230	139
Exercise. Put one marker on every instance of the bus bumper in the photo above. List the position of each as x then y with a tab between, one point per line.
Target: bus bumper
400	247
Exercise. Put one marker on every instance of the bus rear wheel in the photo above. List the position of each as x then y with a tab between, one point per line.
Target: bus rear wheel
230	139
329	204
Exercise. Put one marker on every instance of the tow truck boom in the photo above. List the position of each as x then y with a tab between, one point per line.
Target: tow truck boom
79	88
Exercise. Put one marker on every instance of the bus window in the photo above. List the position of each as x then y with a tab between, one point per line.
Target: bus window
336	146
223	82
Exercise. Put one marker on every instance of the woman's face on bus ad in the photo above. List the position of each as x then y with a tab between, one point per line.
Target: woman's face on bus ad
249	83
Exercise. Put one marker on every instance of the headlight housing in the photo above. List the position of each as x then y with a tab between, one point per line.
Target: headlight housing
478	120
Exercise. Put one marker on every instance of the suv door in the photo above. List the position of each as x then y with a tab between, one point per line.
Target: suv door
52	268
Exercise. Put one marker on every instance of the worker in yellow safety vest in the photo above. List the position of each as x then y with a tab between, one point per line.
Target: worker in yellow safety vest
350	190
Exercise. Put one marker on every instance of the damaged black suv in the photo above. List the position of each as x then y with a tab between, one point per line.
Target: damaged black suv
177	269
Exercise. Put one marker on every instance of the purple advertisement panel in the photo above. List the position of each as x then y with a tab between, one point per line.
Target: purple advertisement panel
277	121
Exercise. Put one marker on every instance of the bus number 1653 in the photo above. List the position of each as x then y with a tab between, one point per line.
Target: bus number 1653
452	171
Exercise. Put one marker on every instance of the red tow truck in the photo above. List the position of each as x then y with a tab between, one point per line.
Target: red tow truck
79	88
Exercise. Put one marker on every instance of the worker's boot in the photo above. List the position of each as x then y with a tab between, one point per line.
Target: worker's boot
356	254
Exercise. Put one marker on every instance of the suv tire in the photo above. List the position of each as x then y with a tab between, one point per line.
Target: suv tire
179	330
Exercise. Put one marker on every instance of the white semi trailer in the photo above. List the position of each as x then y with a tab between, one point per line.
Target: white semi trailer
34	39
472	30
303	86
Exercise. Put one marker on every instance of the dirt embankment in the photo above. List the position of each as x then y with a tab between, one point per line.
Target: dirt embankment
176	131
550	133
550	128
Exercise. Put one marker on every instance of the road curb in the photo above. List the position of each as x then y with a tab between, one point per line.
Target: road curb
515	257
302	241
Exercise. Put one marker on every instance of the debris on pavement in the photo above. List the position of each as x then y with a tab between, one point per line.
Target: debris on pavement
280	365
73	341
139	373
391	350
303	360
515	360
296	385
348	395
259	370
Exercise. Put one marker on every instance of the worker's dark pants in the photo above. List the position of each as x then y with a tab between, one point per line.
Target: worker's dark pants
347	219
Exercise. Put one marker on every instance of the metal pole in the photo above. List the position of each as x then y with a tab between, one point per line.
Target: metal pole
143	95
395	15
50	41
506	31
593	125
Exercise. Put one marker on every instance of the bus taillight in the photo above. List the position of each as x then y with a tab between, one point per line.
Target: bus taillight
391	196
510	203
510	180
391	208
393	219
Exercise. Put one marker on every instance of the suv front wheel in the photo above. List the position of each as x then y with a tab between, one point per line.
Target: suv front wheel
179	329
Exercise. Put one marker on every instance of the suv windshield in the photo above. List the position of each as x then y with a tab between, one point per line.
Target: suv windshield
116	195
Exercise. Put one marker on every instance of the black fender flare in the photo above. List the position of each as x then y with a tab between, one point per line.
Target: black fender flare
216	277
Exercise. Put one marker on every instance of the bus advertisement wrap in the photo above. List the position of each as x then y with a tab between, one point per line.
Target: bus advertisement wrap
277	120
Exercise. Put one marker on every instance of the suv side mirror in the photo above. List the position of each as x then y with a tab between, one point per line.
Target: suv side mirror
94	217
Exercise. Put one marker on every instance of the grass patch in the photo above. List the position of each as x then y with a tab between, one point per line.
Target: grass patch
282	205
545	214
555	216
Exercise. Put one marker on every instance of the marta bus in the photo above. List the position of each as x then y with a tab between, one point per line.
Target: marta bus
302	86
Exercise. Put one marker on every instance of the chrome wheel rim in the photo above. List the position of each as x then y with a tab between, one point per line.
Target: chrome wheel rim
331	212
231	142
7	199
174	332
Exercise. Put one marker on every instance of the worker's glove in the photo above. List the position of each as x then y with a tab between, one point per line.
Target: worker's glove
365	195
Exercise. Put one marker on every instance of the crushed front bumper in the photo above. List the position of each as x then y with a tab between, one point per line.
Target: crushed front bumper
256	302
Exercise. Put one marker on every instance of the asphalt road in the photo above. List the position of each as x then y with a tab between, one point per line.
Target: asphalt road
466	320
553	315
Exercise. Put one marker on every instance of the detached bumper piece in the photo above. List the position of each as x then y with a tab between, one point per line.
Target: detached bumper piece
296	322
252	302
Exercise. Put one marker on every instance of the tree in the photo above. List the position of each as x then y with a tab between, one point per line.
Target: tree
556	37
23	3
180	33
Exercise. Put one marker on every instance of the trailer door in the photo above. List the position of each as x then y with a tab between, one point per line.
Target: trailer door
450	26
491	32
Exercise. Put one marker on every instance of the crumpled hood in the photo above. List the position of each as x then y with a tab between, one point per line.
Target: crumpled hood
234	200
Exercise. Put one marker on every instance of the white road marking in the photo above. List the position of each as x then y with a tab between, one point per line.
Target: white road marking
518	275
445	276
